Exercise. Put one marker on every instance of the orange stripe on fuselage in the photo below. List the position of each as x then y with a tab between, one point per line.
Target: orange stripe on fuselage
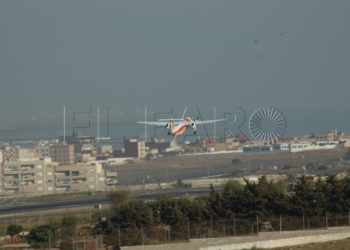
179	131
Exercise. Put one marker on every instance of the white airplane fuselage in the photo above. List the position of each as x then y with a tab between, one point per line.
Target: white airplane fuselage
181	127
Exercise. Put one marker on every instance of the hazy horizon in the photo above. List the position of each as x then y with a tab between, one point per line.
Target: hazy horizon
291	55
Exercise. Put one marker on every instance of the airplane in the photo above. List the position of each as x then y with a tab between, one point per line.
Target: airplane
178	126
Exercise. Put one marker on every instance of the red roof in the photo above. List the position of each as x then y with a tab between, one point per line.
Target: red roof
241	137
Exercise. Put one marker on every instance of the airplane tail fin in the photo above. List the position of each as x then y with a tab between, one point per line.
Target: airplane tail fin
172	126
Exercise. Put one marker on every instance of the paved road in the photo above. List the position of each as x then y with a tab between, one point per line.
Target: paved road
64	204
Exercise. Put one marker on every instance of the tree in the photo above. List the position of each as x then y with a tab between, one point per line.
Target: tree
14	229
233	186
302	197
336	195
135	213
214	202
232	189
117	198
69	225
263	198
43	236
319	204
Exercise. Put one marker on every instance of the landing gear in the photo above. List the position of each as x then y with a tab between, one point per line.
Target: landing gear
168	133
194	132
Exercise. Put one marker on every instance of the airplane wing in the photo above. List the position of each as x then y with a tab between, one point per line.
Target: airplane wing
155	123
170	119
159	123
207	121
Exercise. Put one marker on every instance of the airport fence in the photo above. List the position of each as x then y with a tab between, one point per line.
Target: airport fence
166	234
237	227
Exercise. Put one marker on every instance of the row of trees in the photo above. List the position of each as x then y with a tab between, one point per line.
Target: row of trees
264	199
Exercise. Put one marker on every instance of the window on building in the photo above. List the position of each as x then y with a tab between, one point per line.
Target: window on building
13	168
39	166
63	180
91	178
91	171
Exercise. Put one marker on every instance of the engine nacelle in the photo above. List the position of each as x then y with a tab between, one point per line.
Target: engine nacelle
193	125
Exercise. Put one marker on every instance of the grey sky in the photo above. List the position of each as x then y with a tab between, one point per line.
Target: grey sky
293	55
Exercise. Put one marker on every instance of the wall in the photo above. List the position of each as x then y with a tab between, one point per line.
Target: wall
263	240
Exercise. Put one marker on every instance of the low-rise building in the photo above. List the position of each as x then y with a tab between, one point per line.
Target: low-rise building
81	142
133	148
282	146
13	153
331	135
105	149
161	147
44	149
261	148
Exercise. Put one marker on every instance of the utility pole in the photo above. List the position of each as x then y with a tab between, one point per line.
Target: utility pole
207	169
119	238
96	240
249	158
50	233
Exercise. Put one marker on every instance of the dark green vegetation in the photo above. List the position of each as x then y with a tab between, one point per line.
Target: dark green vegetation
46	236
213	215
43	236
14	229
